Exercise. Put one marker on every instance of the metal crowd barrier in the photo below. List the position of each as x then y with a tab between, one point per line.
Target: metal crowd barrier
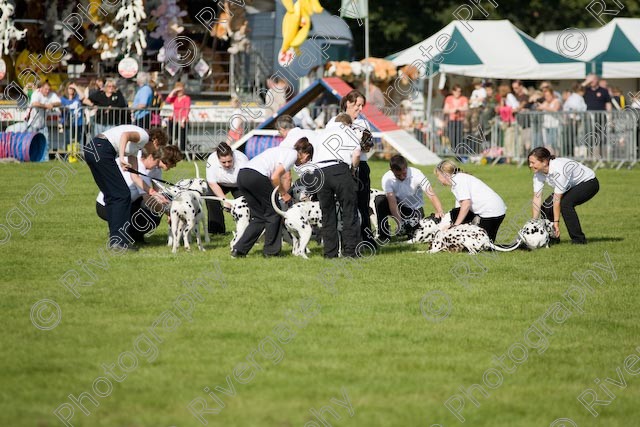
206	127
595	136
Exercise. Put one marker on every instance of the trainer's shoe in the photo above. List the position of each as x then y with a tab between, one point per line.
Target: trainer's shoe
236	254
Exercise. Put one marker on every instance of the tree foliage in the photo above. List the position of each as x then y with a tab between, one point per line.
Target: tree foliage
396	25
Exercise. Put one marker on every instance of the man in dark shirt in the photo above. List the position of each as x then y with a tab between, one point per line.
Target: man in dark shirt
597	98
112	107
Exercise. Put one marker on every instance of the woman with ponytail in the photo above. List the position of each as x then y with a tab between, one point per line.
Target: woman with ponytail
573	184
476	199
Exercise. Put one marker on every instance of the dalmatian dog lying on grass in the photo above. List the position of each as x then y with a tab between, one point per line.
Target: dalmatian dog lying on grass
466	237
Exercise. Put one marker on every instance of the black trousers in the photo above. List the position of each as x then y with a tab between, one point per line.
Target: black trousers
215	212
142	220
256	189
384	216
490	225
179	134
364	193
337	183
101	158
577	195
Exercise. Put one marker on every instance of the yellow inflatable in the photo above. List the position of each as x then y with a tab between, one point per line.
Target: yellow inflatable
295	27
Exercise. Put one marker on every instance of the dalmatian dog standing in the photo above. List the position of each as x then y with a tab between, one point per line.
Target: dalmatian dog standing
466	237
299	220
536	233
239	212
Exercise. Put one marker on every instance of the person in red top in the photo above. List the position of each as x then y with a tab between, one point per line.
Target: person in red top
181	107
455	107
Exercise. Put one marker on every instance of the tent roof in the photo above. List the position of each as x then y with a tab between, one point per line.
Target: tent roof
491	49
612	51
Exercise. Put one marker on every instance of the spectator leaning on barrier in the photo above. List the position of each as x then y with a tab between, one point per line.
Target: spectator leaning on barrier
596	97
181	109
455	107
42	101
142	101
573	184
550	122
111	107
71	118
223	166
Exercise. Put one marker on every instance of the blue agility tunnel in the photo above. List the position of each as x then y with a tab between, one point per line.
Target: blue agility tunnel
24	146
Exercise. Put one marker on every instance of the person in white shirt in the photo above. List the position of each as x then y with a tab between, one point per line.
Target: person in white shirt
256	181
353	104
403	201
146	209
223	166
476	199
337	156
42	101
122	143
290	132
573	184
574	101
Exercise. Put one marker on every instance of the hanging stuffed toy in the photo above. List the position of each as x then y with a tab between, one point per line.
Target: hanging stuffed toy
295	27
8	31
131	13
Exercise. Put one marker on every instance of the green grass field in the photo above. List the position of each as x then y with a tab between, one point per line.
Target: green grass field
155	339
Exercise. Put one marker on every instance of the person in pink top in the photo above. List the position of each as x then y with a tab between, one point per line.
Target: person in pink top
455	108
181	108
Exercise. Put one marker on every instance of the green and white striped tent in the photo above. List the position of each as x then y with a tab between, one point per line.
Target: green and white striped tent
489	49
611	51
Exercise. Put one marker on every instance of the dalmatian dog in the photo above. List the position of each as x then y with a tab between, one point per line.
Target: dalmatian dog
299	220
239	212
373	213
466	237
428	228
536	233
186	211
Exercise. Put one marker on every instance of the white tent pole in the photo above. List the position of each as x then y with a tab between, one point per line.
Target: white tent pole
366	54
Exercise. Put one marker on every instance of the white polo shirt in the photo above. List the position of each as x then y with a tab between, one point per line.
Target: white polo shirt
410	190
294	136
136	192
335	144
357	122
564	174
484	201
114	134
227	177
267	162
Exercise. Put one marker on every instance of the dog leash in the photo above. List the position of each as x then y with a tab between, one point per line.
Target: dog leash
155	179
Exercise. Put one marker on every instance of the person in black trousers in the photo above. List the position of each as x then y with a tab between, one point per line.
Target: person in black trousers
122	142
336	157
573	184
256	181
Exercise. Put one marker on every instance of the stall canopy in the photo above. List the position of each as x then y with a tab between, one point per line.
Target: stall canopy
611	51
489	49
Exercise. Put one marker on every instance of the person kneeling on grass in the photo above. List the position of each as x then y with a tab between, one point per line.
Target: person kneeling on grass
256	181
403	201
146	202
573	184
476	199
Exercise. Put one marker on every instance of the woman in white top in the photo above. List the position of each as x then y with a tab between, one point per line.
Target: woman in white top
123	143
352	104
223	166
573	184
476	199
256	181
